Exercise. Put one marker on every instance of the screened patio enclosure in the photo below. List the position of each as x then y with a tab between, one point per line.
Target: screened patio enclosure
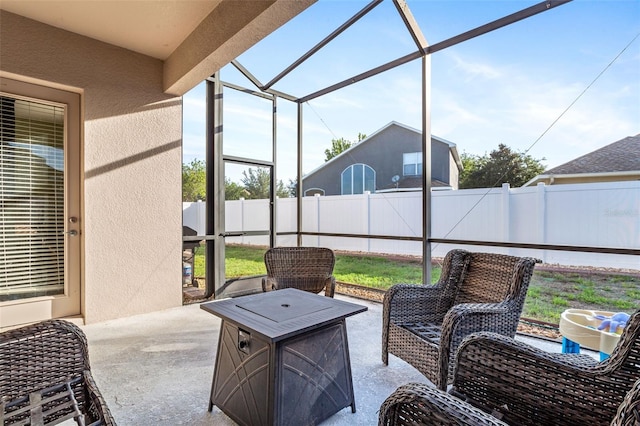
282	118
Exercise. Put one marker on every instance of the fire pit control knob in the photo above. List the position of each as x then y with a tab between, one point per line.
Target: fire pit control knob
243	341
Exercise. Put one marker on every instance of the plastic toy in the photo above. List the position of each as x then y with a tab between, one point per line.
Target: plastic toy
619	319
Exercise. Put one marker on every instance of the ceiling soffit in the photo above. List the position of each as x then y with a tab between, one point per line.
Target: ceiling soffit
195	38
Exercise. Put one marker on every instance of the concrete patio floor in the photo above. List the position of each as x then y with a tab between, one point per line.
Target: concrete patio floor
156	369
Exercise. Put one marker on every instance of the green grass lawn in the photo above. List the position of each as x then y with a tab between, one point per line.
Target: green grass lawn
548	295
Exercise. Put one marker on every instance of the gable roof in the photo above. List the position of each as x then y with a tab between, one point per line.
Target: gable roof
618	161
452	146
620	156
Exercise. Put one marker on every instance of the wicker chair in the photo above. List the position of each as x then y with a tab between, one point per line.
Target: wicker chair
45	377
425	324
628	413
305	268
493	371
421	404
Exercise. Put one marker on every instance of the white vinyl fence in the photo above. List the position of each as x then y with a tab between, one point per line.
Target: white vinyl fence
595	215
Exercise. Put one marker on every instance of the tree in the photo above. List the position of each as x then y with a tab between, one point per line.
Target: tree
256	185
233	191
340	145
470	164
502	165
194	186
292	187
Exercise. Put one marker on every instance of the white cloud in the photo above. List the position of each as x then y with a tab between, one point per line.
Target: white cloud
473	70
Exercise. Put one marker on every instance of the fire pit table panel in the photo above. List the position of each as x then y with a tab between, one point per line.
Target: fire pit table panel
283	358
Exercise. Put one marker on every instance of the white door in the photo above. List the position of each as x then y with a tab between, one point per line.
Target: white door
40	223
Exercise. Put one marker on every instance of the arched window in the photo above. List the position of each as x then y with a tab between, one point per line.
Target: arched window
313	191
358	178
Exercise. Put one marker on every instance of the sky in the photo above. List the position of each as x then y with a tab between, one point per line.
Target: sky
556	86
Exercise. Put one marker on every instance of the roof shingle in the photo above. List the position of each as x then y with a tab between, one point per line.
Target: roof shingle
620	156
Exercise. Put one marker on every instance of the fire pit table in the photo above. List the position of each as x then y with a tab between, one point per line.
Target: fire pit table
282	358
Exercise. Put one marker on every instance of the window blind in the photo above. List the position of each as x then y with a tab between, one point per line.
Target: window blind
31	198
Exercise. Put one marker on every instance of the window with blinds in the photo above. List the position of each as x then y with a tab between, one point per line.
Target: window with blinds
31	198
412	163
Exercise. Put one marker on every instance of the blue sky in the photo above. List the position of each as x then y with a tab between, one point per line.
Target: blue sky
508	86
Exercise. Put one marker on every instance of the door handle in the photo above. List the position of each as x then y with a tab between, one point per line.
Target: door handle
232	234
72	232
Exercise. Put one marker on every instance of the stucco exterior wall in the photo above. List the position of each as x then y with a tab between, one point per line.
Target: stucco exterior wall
132	220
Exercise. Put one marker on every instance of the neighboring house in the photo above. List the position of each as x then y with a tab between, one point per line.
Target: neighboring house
388	160
619	161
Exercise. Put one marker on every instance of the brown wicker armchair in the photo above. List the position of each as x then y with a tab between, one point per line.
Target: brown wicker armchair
572	387
425	324
45	377
628	413
416	404
421	404
305	268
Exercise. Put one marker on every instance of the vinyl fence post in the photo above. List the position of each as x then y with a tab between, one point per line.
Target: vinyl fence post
506	214
368	212
541	226
317	197
242	219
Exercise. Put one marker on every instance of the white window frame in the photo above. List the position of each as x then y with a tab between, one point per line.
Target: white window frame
413	159
364	180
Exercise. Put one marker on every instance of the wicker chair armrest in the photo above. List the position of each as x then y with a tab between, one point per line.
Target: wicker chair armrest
463	309
629	411
268	284
531	386
416	303
97	405
467	318
330	286
422	404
